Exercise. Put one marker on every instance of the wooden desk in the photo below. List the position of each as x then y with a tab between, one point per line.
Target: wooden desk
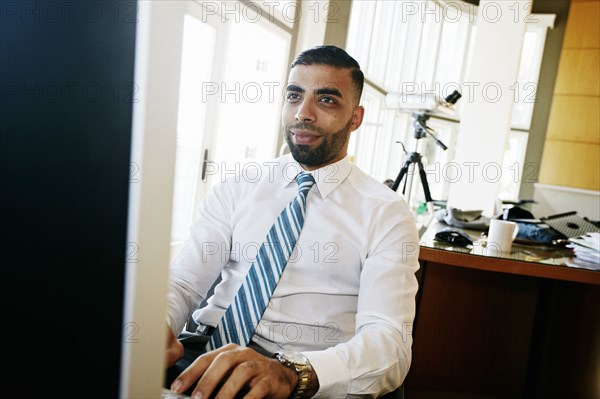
504	326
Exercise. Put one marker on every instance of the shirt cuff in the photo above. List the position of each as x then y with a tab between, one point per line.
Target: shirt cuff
332	371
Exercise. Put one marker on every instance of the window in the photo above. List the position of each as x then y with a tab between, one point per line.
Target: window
424	47
196	67
230	95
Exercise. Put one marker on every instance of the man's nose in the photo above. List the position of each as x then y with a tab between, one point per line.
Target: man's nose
306	111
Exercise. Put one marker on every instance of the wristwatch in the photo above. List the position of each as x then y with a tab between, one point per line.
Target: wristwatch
297	362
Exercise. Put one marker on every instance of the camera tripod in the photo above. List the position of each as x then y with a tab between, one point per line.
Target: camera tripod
421	130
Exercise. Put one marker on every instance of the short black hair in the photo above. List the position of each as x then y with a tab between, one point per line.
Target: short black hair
335	57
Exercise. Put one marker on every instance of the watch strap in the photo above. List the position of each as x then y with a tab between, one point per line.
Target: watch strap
303	371
303	380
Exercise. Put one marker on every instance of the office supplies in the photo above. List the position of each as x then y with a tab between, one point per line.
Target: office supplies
587	251
570	224
466	219
168	394
501	234
453	236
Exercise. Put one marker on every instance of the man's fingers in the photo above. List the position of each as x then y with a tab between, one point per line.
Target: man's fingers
257	378
220	370
231	371
239	380
191	374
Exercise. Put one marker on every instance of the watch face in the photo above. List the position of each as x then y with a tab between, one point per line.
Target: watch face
295	357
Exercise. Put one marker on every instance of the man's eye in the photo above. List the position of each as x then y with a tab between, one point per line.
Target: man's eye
328	100
292	96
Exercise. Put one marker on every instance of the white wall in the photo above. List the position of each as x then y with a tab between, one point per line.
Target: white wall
551	200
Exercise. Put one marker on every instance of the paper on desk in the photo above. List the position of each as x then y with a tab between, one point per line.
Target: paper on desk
587	251
589	240
575	262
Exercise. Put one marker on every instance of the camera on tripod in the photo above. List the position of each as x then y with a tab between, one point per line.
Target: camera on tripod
422	102
422	106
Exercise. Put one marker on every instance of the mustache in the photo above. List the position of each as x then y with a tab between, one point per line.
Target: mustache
305	126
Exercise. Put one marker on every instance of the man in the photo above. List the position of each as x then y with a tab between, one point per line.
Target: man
346	299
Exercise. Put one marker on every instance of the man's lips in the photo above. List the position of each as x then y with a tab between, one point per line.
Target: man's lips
305	136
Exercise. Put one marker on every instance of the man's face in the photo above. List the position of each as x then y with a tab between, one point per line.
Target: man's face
319	114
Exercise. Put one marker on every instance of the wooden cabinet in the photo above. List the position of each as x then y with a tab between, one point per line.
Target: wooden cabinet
490	327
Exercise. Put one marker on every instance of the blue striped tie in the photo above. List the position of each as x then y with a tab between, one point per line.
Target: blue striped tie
244	313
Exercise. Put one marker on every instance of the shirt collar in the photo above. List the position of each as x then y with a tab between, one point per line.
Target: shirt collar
327	178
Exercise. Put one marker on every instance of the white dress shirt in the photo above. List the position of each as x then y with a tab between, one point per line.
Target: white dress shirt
346	299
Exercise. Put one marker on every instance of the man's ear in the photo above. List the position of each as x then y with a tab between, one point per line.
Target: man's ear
357	117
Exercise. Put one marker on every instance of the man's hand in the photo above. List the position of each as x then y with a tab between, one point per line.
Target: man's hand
233	370
174	348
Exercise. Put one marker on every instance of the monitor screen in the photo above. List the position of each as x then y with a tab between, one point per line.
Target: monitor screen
66	83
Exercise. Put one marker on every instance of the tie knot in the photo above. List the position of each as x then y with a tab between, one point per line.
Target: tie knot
305	182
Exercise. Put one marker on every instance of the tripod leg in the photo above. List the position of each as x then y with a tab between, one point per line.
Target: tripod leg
424	183
402	173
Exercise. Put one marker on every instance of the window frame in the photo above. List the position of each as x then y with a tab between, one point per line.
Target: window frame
382	84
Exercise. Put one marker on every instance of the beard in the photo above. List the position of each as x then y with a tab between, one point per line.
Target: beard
330	147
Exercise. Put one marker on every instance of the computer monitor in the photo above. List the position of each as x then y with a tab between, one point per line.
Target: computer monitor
154	134
67	92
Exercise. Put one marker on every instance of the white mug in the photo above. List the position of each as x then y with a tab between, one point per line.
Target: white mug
501	235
